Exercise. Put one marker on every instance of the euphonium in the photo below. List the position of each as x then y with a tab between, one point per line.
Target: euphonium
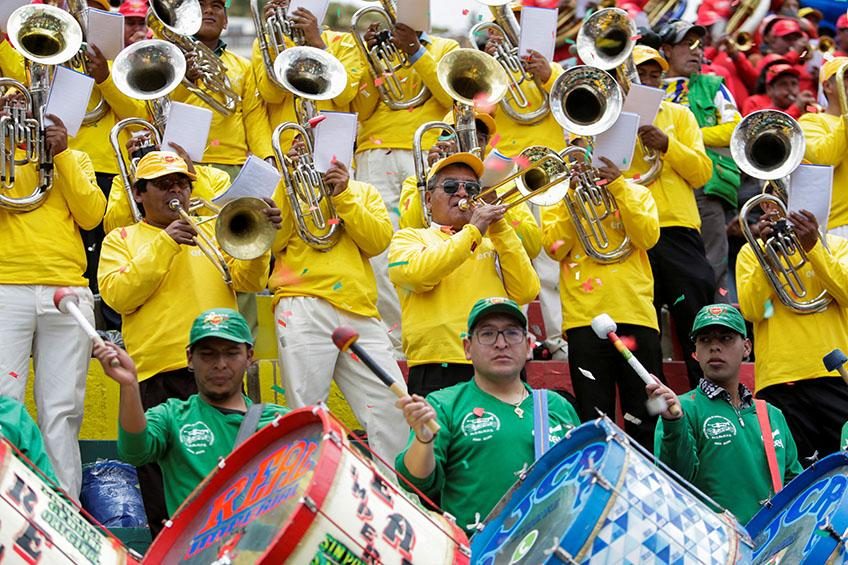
78	8
271	32
769	145
747	16
177	21
384	59
515	105
660	12
310	74
46	36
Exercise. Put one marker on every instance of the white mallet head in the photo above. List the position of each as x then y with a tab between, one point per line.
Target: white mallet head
603	324
62	297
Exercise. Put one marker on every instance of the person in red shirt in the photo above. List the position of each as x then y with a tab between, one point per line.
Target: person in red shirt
782	93
841	36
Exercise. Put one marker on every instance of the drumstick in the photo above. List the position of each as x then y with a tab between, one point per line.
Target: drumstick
66	301
345	339
835	361
604	328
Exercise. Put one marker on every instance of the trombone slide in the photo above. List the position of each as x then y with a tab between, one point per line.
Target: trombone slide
204	243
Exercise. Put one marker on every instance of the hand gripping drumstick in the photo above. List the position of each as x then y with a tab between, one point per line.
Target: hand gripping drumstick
835	360
66	301
604	328
345	339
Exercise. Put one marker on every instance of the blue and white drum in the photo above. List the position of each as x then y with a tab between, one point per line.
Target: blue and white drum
595	498
807	521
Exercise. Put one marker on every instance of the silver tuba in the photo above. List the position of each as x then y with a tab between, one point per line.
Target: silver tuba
271	32
515	105
769	145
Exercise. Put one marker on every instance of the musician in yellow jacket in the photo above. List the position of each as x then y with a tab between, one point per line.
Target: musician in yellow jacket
683	278
624	289
41	250
827	144
442	270
789	346
155	276
315	291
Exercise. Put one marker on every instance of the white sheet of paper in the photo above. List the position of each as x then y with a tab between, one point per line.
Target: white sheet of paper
415	14
810	188
538	31
188	127
256	178
68	98
334	138
580	8
497	167
618	142
106	31
318	8
645	101
6	9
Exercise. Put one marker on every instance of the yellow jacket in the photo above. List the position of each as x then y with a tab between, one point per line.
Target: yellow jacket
159	287
440	276
827	145
383	128
686	167
513	137
519	217
341	275
788	346
44	246
247	129
624	290
210	182
12	62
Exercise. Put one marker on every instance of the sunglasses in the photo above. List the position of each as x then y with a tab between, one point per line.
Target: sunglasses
451	186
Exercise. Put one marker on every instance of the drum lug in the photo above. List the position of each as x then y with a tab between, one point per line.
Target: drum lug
310	504
597	478
561	554
334	437
828	528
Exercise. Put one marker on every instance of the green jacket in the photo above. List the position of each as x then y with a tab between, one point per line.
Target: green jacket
481	448
844	442
186	438
720	450
17	426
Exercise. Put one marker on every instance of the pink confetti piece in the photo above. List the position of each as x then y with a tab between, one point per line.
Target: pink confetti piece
587	285
495	139
281	323
123	233
333	221
722	291
378	81
636	37
515	223
629	342
13	374
393	328
599	282
479	412
215	142
354	357
465	12
316	120
522	162
556	245
123	269
601	182
286	313
406	203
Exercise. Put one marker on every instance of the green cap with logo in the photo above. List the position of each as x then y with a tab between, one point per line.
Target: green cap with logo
224	323
719	315
495	305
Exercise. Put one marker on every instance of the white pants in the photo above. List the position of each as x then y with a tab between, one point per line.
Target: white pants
386	170
309	361
61	351
548	271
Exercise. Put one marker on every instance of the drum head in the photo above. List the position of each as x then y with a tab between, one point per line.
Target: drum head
254	497
807	517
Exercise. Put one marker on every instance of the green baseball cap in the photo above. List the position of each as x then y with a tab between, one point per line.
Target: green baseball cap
719	315
495	305
225	323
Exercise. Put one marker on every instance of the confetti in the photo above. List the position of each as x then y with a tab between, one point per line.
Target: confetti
287	313
556	245
316	120
406	203
378	82
396	211
636	37
722	291
598	282
479	412
215	142
586	373
336	38
13	374
637	177
601	182
680	299
465	12
304	271
515	223
632	419
629	342
445	365
398	264
768	309
281	323
495	139
333	221
812	109
123	269
522	162
354	357
278	389
123	233
393	328
337	286
587	285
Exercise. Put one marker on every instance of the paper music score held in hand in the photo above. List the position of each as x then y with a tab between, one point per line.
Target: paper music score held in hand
618	142
334	139
188	126
68	98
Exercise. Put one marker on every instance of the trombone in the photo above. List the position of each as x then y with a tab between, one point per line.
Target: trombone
384	59
271	32
516	105
769	145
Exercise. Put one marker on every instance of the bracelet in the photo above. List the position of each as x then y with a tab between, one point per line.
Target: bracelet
419	440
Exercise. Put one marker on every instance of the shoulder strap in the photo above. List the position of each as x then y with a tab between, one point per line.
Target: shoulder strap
768	442
248	425
541	427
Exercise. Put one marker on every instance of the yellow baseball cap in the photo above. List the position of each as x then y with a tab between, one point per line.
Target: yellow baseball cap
830	67
643	54
465	158
160	163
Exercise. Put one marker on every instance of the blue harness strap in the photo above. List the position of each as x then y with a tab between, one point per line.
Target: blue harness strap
541	427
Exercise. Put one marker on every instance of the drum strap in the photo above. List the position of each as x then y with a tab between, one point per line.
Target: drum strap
248	425
768	442
541	427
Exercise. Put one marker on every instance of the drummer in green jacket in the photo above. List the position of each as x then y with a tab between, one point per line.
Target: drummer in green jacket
717	442
487	423
17	427
188	437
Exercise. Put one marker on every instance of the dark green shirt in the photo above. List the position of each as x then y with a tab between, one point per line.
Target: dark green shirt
17	426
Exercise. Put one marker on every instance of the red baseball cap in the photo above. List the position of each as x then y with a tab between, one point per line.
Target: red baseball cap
776	71
133	8
785	27
842	22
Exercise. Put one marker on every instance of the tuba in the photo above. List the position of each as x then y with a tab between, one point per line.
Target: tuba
78	9
769	145
271	32
384	59
587	101
177	21
148	70
516	105
310	74
46	36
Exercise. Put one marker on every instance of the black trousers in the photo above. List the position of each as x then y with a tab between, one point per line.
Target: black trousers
430	377
683	281
586	351
154	391
815	409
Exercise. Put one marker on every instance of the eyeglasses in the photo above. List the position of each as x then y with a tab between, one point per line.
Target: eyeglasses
451	186
167	182
512	336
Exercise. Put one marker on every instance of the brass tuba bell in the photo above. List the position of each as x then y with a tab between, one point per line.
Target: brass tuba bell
586	100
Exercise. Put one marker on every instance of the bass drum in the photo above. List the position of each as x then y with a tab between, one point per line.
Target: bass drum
596	497
298	492
807	521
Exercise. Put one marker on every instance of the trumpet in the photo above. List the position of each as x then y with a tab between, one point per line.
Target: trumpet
77	9
271	32
516	105
176	21
769	145
384	59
